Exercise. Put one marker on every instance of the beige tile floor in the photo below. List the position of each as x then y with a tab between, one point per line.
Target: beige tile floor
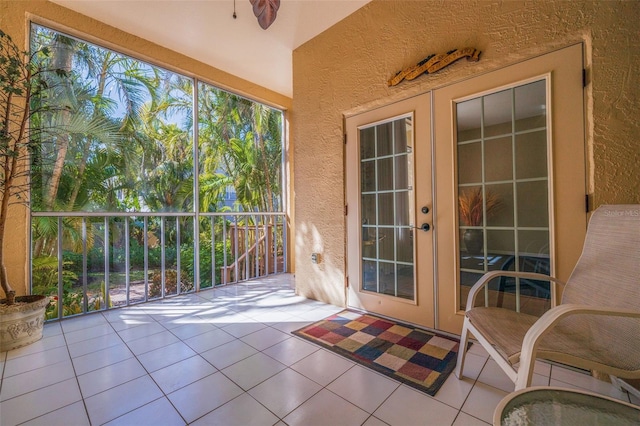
226	357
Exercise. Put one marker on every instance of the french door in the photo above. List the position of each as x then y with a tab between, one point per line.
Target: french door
510	174
496	174
389	202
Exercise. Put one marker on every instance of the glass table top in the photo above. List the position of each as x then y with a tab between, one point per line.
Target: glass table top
558	406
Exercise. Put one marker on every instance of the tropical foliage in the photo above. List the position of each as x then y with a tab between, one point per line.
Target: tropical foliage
129	145
125	143
22	79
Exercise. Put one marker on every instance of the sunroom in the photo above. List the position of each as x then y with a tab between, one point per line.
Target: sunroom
358	206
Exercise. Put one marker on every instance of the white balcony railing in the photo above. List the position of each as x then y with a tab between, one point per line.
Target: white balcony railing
90	262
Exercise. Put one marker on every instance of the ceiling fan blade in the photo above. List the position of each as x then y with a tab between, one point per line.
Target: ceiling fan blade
266	11
258	6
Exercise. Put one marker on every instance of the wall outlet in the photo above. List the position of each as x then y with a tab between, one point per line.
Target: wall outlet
315	257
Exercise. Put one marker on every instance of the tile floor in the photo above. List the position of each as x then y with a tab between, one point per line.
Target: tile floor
226	357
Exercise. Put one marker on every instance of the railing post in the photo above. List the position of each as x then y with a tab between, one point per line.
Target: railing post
285	243
275	244
162	259
224	250
60	266
127	261
235	232
107	277
213	251
145	250
85	272
267	247
196	251
178	271
247	241
256	251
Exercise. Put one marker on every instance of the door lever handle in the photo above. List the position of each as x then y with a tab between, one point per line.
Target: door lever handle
425	227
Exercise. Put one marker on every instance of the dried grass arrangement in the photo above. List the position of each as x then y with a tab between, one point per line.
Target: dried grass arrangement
470	204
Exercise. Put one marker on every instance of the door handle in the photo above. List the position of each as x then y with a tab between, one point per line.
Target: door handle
425	227
425	210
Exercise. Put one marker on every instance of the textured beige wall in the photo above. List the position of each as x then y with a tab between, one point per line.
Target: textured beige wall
14	18
344	71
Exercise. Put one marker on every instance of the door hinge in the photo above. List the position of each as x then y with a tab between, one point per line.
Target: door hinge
587	203
346	209
584	77
345	138
346	282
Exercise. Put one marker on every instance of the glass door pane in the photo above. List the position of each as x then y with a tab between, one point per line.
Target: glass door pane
386	194
503	207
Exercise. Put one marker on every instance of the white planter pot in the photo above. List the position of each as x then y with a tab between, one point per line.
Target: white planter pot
22	323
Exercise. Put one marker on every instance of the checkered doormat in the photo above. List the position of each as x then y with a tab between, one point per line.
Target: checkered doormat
421	359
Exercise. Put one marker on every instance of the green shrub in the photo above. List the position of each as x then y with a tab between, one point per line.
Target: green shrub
170	283
186	255
72	261
44	275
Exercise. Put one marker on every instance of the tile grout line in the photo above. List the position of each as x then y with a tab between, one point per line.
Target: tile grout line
164	395
231	306
475	381
4	365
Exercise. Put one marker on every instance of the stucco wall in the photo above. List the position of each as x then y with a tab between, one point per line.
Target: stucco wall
344	71
14	19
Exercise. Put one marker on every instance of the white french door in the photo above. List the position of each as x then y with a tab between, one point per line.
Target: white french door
499	184
389	237
510	174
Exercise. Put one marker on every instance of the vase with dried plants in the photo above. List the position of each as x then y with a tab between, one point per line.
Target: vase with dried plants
473	205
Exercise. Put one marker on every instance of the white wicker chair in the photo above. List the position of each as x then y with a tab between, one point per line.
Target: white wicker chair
597	324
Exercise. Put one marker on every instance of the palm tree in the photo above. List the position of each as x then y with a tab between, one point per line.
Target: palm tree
267	132
127	143
242	141
89	116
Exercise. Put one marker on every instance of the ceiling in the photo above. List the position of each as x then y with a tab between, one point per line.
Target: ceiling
206	30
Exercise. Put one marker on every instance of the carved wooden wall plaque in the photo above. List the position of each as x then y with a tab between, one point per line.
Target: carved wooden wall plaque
434	63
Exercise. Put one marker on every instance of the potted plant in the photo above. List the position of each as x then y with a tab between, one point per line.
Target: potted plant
21	318
472	205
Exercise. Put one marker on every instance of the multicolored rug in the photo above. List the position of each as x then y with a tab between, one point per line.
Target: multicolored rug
419	358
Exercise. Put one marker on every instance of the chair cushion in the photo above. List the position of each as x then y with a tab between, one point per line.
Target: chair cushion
503	328
577	341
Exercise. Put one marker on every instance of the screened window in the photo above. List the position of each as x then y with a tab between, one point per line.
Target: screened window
146	183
